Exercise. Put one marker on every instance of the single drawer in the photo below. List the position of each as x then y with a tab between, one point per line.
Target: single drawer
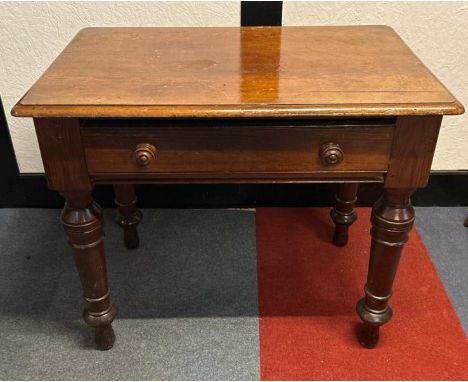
130	147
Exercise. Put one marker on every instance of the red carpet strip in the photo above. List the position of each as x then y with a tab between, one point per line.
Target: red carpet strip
307	294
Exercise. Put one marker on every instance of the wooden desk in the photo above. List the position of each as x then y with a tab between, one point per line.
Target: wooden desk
292	104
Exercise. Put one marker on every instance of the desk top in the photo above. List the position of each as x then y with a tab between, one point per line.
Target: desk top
237	72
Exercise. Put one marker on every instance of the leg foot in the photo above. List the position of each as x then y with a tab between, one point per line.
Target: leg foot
340	236
392	219
128	216
102	322
131	238
343	215
104	337
368	335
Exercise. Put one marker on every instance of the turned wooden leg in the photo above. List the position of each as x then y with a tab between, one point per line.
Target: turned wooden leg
392	219
128	216
83	225
344	214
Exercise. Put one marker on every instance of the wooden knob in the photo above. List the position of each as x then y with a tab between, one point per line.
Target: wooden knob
145	153
331	154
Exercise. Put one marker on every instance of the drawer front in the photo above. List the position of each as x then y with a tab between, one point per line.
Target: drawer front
224	150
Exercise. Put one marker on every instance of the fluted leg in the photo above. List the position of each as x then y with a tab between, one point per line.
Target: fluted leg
128	216
83	225
343	214
392	219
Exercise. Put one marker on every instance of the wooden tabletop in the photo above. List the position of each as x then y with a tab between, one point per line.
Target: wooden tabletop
237	72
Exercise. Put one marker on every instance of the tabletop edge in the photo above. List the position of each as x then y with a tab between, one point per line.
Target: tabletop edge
235	111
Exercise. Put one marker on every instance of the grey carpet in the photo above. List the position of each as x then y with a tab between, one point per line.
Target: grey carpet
446	239
187	299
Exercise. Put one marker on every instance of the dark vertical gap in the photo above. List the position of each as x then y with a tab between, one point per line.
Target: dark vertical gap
8	166
261	13
8	163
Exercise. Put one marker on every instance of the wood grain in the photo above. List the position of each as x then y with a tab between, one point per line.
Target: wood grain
413	148
237	72
62	154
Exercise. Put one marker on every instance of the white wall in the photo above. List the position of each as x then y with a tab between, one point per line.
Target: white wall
32	34
436	31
